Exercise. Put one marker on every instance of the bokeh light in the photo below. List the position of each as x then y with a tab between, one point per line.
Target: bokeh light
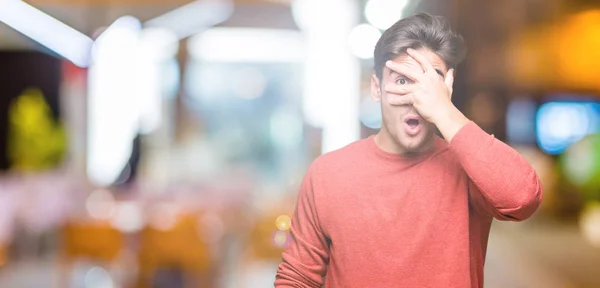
280	239
578	50
283	222
560	124
164	216
362	40
589	223
128	217
384	13
98	277
581	163
100	204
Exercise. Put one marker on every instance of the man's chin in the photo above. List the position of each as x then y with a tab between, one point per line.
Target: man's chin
414	148
415	144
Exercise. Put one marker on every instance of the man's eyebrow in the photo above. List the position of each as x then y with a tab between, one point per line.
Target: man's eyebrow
439	72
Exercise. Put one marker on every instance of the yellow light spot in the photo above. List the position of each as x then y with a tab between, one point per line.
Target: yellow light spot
283	222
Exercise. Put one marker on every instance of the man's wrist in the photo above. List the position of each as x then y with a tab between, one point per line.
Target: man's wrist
450	122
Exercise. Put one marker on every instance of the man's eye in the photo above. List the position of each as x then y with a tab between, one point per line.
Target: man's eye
402	81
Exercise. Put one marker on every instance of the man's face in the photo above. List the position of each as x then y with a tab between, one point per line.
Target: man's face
402	124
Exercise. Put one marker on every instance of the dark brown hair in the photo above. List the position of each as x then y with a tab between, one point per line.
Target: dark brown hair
420	31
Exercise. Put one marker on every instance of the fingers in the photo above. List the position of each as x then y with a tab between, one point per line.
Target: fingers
404	70
399	89
422	60
449	80
398	100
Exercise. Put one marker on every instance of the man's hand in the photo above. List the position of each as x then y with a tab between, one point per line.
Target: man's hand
430	94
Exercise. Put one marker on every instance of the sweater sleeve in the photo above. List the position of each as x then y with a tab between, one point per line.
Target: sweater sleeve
502	184
304	261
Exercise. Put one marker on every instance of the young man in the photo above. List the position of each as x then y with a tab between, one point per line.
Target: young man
406	208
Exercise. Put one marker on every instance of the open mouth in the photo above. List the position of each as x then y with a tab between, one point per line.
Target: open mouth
413	125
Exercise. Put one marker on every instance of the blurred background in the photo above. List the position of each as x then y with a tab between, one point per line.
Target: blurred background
148	143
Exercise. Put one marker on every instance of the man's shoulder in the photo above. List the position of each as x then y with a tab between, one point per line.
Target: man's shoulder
443	155
341	157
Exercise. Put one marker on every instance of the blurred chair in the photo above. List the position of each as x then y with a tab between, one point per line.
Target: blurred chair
96	241
178	247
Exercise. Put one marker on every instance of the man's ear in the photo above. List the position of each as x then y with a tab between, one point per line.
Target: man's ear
375	88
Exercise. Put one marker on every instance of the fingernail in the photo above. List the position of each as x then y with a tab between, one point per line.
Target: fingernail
388	63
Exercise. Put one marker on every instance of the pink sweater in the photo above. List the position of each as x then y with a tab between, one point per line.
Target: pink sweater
367	218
